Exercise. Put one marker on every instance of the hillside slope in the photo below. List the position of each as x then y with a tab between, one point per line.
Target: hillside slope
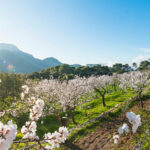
14	60
102	137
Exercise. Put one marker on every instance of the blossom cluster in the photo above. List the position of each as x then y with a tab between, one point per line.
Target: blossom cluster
134	120
25	89
54	139
135	80
36	111
29	129
124	128
7	134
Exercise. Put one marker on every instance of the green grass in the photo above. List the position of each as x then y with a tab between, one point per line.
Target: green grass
95	107
89	111
143	136
50	124
81	132
85	112
82	113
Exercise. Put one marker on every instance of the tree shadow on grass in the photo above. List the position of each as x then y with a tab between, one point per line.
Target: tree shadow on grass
72	146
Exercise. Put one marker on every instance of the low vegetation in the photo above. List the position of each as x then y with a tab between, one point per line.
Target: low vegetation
87	107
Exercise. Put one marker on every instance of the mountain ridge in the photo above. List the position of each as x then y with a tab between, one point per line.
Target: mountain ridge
12	59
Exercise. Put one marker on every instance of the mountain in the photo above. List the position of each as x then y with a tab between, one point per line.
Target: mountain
14	60
51	61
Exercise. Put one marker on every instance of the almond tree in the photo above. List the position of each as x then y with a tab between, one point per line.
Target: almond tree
136	81
62	96
30	140
71	94
100	84
48	90
114	81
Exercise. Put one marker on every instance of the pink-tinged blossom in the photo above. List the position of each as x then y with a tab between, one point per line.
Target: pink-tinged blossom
35	113
54	139
7	135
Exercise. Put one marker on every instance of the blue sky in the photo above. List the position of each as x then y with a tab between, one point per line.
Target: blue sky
78	31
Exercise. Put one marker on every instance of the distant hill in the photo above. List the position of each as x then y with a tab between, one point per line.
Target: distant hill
92	65
14	60
75	65
51	62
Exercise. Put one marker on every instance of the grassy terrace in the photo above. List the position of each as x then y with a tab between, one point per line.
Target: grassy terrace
95	107
141	138
85	112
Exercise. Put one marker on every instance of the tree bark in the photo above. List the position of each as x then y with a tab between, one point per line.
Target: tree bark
115	88
103	100
140	95
64	121
59	118
102	94
72	117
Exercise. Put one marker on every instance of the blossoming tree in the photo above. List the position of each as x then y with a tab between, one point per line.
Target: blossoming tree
62	96
136	81
71	94
100	84
48	142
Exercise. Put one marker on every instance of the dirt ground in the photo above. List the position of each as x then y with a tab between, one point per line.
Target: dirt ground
101	139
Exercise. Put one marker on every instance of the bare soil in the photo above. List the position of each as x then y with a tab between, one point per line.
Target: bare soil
101	139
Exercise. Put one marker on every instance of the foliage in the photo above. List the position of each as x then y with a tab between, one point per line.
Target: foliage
67	72
79	100
10	85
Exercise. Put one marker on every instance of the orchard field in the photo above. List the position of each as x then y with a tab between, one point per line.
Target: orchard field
94	113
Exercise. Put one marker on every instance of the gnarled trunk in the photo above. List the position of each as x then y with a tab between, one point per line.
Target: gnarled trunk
140	98
102	94
64	121
103	100
72	116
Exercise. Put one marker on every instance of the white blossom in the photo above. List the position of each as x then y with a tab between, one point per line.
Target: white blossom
25	89
7	135
54	139
123	128
135	120
116	138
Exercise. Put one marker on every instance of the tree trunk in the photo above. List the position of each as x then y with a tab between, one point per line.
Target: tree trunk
140	94
72	117
59	118
115	88
103	100
64	121
102	95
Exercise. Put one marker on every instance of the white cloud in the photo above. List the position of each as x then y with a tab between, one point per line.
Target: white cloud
147	50
111	63
140	58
